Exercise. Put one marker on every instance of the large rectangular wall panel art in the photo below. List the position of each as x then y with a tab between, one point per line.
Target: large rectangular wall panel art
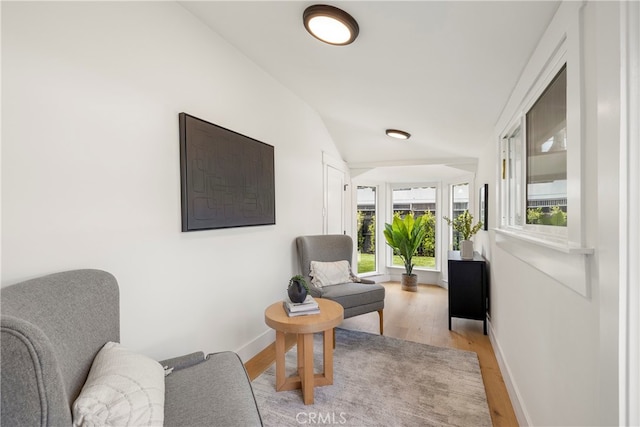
227	179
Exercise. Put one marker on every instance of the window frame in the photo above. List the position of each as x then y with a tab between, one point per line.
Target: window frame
507	191
438	238
377	233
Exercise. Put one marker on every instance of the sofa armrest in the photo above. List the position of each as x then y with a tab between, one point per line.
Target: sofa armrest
181	362
367	281
214	392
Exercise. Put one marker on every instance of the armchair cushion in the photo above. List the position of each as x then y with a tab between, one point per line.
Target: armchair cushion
329	273
354	294
123	389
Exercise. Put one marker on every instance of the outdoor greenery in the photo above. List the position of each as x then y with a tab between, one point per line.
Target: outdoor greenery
359	222
428	246
367	263
556	216
366	228
424	257
418	261
372	234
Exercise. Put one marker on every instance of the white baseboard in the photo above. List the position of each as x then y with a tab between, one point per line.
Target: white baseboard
255	346
516	400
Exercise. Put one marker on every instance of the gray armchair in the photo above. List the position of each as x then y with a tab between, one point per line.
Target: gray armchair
355	297
53	327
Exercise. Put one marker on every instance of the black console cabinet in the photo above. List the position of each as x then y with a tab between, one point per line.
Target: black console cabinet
468	289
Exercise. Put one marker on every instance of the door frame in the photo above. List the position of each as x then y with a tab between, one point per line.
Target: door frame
339	164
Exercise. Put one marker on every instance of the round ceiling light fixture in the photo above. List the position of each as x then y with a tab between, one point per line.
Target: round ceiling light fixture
398	134
330	24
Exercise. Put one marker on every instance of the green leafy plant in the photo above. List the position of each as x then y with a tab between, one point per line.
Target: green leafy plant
360	228
298	278
405	237
534	215
428	246
462	224
557	216
372	234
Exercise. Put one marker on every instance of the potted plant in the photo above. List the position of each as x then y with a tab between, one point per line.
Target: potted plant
405	236
462	224
297	289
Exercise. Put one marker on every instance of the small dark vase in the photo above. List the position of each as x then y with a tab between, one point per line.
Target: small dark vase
297	292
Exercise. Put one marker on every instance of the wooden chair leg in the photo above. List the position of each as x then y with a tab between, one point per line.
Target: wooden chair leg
334	338
381	322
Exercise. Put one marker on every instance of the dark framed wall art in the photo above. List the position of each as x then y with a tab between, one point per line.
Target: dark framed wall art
483	202
227	179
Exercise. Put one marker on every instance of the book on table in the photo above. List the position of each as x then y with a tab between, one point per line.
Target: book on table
308	306
301	313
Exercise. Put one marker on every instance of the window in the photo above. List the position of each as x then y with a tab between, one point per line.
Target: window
366	229
546	142
459	204
419	200
541	164
534	164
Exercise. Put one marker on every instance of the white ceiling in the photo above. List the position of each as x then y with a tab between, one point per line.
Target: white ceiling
441	70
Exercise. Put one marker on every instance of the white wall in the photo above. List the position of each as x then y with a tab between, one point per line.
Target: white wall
559	348
91	93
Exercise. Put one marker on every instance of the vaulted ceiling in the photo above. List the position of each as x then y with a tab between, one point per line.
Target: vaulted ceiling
441	70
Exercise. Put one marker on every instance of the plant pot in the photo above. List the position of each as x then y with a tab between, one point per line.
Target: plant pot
409	282
297	292
466	249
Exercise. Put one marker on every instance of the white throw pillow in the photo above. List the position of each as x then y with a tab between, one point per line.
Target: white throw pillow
329	273
123	389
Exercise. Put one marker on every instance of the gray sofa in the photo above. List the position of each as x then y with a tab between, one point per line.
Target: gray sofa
52	328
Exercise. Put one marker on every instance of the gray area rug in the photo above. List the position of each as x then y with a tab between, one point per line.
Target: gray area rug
381	381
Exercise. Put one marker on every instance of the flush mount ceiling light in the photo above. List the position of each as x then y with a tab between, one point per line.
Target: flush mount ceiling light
330	24
398	134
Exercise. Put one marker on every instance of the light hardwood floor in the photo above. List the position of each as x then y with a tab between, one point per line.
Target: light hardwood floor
423	317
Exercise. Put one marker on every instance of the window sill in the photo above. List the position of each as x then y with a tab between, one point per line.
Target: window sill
368	274
556	245
415	269
564	263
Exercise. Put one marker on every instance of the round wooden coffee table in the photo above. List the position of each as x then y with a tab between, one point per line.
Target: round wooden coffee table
331	315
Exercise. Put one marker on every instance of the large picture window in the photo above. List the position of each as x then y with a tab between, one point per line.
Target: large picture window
418	200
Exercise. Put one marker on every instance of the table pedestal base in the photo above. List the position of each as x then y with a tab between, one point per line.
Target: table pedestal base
306	379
